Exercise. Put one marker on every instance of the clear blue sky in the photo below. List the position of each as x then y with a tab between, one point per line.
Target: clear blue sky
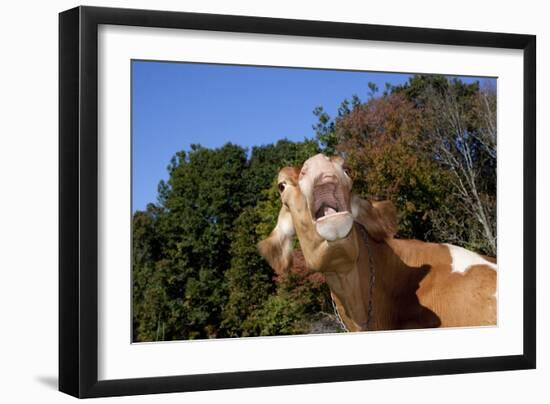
177	104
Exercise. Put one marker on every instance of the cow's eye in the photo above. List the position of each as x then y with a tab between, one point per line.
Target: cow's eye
281	187
347	171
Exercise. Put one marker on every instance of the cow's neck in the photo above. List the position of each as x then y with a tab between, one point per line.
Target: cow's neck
351	287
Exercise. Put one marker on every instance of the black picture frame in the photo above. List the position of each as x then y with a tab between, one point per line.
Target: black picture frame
78	201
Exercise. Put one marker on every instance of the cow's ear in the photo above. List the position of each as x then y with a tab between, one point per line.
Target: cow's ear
338	160
277	247
378	218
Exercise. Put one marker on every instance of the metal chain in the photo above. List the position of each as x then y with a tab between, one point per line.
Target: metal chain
372	278
338	318
371	287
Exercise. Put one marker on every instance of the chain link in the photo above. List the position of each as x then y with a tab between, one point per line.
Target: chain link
372	279
338	318
371	275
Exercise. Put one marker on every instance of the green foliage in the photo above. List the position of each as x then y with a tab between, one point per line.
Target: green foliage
186	291
299	302
248	279
373	89
266	161
324	128
145	253
197	273
279	316
268	210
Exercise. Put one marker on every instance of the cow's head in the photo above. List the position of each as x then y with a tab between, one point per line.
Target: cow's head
319	208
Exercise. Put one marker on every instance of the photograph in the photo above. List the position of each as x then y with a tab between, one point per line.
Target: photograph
269	201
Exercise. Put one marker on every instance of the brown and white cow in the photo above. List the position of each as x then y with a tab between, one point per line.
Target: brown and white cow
351	241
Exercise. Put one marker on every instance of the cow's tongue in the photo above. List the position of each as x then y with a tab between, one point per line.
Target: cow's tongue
328	211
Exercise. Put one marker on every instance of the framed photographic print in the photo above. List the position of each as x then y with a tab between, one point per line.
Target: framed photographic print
251	201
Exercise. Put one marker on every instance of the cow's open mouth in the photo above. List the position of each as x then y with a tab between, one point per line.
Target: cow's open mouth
332	218
326	210
328	200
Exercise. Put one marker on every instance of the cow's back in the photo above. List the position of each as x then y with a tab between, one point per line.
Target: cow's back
459	286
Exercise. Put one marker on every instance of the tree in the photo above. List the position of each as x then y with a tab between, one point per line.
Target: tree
248	280
265	161
324	129
146	248
197	273
462	128
185	293
373	89
389	159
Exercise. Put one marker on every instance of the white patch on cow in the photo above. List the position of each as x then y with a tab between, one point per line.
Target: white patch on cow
463	259
285	226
